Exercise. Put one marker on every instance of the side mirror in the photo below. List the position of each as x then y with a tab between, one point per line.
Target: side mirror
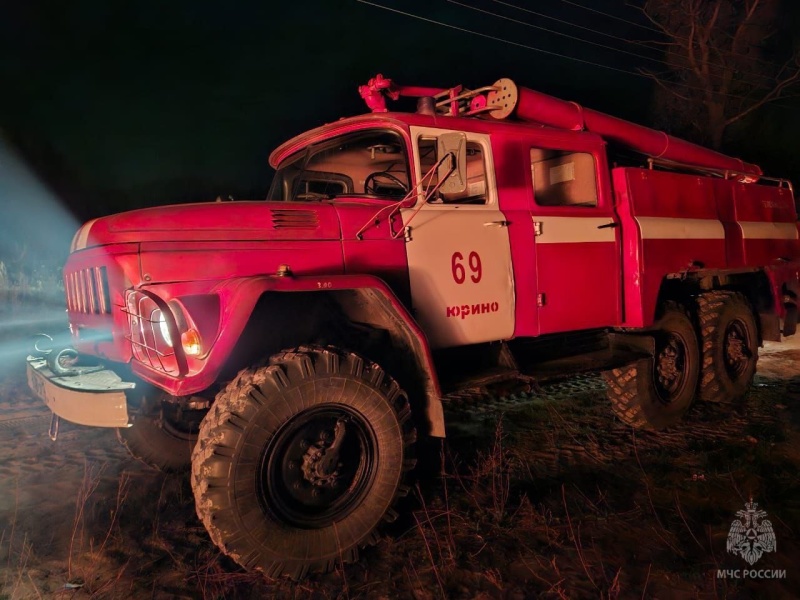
453	145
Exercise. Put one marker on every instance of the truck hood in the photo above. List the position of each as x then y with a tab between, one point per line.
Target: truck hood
223	221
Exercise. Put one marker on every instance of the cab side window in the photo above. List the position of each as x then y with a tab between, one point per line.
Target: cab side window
562	178
476	173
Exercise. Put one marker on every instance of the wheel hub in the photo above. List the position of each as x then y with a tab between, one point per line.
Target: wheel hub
321	460
318	466
736	350
670	367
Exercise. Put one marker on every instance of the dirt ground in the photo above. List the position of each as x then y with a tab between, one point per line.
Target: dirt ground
547	498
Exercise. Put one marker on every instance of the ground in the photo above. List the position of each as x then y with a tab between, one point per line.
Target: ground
544	496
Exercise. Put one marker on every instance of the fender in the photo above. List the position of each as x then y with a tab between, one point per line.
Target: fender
773	290
238	298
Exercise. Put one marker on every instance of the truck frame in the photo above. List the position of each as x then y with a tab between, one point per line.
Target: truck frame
290	350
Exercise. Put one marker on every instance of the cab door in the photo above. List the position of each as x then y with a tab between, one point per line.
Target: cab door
576	241
459	255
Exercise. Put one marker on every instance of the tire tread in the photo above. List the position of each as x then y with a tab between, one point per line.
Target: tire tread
709	307
623	384
282	370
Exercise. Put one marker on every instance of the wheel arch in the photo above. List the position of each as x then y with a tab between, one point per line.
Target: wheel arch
358	313
755	284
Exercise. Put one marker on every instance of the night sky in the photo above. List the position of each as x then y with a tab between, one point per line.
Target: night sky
120	104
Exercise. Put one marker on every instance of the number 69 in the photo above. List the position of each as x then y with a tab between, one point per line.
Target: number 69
460	272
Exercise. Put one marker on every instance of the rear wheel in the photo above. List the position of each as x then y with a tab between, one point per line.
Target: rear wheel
654	394
299	461
729	340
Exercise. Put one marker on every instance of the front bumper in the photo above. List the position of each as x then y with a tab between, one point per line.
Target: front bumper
91	397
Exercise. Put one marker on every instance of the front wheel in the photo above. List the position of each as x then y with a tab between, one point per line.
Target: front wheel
300	460
654	394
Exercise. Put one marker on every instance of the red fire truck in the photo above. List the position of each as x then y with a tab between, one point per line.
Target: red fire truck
291	348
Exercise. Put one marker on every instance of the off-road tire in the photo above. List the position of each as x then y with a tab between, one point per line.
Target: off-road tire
158	446
637	397
241	467
729	345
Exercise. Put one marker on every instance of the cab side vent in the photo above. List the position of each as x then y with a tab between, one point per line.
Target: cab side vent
295	219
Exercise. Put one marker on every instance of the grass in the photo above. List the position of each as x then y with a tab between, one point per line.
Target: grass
18	556
481	527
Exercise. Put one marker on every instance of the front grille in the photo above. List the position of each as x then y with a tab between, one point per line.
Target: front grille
294	219
87	291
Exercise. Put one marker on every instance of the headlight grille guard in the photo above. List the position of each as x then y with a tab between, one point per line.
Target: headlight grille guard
144	333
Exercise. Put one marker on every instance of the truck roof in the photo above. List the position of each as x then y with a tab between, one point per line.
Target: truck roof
403	120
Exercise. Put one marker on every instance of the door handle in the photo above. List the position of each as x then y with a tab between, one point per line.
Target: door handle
608	225
496	224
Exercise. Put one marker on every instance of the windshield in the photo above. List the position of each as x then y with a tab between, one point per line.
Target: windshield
372	163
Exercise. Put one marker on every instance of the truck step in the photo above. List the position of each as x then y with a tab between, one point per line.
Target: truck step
488	377
594	361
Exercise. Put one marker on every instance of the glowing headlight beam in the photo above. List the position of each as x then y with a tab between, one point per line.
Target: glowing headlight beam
163	328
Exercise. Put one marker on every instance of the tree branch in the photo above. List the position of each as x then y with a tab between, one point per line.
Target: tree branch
707	48
743	24
774	94
663	85
658	23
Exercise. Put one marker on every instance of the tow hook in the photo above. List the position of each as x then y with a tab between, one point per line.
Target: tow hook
61	358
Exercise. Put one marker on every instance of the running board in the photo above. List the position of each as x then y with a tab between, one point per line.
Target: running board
487	378
623	349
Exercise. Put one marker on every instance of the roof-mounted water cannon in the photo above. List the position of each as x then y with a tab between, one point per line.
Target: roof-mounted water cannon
504	99
507	99
454	101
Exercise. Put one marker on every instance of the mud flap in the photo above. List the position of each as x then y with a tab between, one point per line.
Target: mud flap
790	320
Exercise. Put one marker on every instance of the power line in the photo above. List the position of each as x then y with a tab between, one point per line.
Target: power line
497	39
597	32
610	16
654	29
571	24
543	51
554	32
687	86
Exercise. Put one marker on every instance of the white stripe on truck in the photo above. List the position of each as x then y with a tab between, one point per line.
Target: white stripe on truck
764	230
574	230
666	228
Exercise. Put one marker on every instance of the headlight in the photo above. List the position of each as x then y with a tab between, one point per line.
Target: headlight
190	339
163	327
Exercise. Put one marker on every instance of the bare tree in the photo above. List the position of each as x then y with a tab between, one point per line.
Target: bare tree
722	62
